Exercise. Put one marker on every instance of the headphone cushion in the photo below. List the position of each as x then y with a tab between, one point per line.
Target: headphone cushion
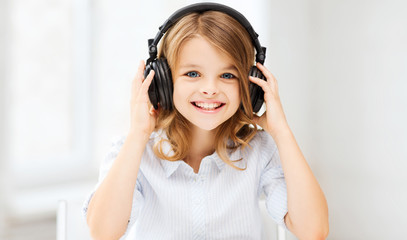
152	90
167	83
256	92
163	83
158	78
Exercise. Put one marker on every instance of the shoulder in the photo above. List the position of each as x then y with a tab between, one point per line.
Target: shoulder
149	160
116	144
262	148
118	141
263	141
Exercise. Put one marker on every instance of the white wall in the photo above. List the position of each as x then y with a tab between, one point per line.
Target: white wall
359	73
342	71
3	147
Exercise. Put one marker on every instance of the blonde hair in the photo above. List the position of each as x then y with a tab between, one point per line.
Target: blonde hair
229	36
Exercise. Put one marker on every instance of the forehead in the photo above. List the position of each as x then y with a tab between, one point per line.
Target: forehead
199	52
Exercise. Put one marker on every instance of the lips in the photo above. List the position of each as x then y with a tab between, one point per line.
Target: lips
208	105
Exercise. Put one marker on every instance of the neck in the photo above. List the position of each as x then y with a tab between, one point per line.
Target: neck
202	144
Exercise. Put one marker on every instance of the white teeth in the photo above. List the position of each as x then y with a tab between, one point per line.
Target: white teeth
207	106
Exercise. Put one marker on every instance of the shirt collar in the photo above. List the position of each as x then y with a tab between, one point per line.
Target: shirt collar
219	162
171	166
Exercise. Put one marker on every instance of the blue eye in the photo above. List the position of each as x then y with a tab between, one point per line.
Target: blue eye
228	76
193	74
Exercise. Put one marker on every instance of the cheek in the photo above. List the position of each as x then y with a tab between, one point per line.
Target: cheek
235	94
180	95
176	96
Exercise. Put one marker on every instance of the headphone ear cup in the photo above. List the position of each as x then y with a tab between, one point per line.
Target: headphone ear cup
158	83
152	90
256	92
161	70
166	81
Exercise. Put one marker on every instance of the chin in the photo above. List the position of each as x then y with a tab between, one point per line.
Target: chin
207	127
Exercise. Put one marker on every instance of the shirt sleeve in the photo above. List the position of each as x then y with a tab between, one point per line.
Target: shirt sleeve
272	181
105	166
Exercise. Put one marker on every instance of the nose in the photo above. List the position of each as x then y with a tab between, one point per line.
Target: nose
209	87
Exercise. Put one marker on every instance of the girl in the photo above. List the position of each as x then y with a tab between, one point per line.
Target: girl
196	170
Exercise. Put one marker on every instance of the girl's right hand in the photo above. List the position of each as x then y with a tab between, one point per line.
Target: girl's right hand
143	116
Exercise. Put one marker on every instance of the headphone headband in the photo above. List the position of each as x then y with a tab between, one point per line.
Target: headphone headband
203	7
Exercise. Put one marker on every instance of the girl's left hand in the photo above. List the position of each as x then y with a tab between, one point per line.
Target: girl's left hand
273	119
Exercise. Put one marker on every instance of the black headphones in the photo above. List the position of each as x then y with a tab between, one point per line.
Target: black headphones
161	88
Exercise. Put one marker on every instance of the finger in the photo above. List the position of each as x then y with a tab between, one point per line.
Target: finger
270	77
141	95
263	84
265	72
146	83
138	79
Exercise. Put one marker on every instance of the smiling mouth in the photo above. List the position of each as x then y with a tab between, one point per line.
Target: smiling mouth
208	106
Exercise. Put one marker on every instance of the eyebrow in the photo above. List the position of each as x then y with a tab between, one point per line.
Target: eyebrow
191	65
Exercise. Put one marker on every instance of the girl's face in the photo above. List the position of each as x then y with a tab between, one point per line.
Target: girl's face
206	87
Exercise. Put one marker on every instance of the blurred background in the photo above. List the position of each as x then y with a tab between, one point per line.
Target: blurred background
65	72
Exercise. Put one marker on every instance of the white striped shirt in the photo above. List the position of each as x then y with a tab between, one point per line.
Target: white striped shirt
170	201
